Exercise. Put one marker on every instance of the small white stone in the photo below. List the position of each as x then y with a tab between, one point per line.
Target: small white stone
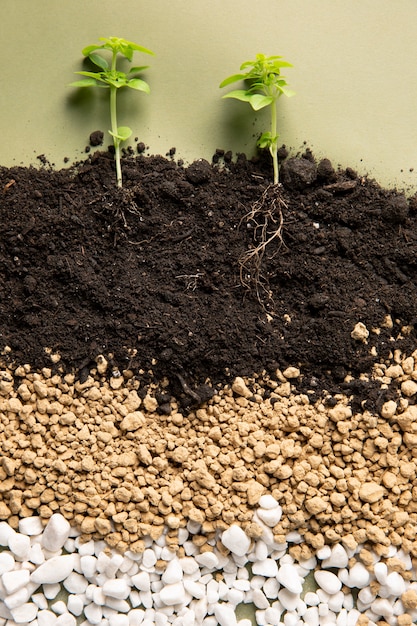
173	572
136	617
189	565
327	581
382	607
273	615
56	532
54	570
40	601
25	613
75	583
289	578
6	532
36	555
7	562
88	565
21	596
338	558
75	604
270	517
267	502
194	588
172	594
359	577
324	552
207	559
311	616
396	584
335	602
46	618
225	614
19	545
14	580
141	581
31	526
259	599
311	599
381	572
271	588
119	620
59	607
51	591
288	599
149	558
266	568
236	540
113	565
93	613
116	588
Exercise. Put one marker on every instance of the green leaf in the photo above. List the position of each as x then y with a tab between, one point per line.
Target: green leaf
238	94
134	70
85	82
97	76
99	61
232	79
138	84
258	101
89	49
287	92
123	133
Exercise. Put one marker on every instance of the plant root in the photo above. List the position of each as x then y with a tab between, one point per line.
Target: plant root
266	220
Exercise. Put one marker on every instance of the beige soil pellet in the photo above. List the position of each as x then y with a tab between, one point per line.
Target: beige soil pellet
119	471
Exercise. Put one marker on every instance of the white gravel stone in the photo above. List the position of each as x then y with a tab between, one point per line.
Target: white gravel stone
236	540
172	594
359	577
31	526
54	570
149	558
7	562
25	613
75	583
5	533
337	559
116	588
75	604
207	559
266	568
19	545
93	613
88	565
270	517
142	581
259	599
289	578
46	618
14	580
225	614
56	532
327	581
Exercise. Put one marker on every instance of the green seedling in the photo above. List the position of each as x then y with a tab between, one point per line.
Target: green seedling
110	77
265	86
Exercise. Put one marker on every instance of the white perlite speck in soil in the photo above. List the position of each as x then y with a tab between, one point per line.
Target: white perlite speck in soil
88	583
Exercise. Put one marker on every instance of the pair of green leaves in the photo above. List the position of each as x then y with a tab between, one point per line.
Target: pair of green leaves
110	77
265	86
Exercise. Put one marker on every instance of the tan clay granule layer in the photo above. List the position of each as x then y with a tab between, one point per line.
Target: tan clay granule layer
119	471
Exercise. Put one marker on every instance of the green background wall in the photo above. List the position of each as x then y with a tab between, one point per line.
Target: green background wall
354	73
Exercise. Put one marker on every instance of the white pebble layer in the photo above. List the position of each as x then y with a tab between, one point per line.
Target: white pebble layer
203	588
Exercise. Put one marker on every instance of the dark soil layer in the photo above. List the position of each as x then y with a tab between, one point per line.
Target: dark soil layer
152	273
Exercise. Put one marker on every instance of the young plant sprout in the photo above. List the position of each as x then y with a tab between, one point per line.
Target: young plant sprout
110	77
265	86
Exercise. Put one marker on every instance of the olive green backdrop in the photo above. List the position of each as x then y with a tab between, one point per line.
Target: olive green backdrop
354	73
